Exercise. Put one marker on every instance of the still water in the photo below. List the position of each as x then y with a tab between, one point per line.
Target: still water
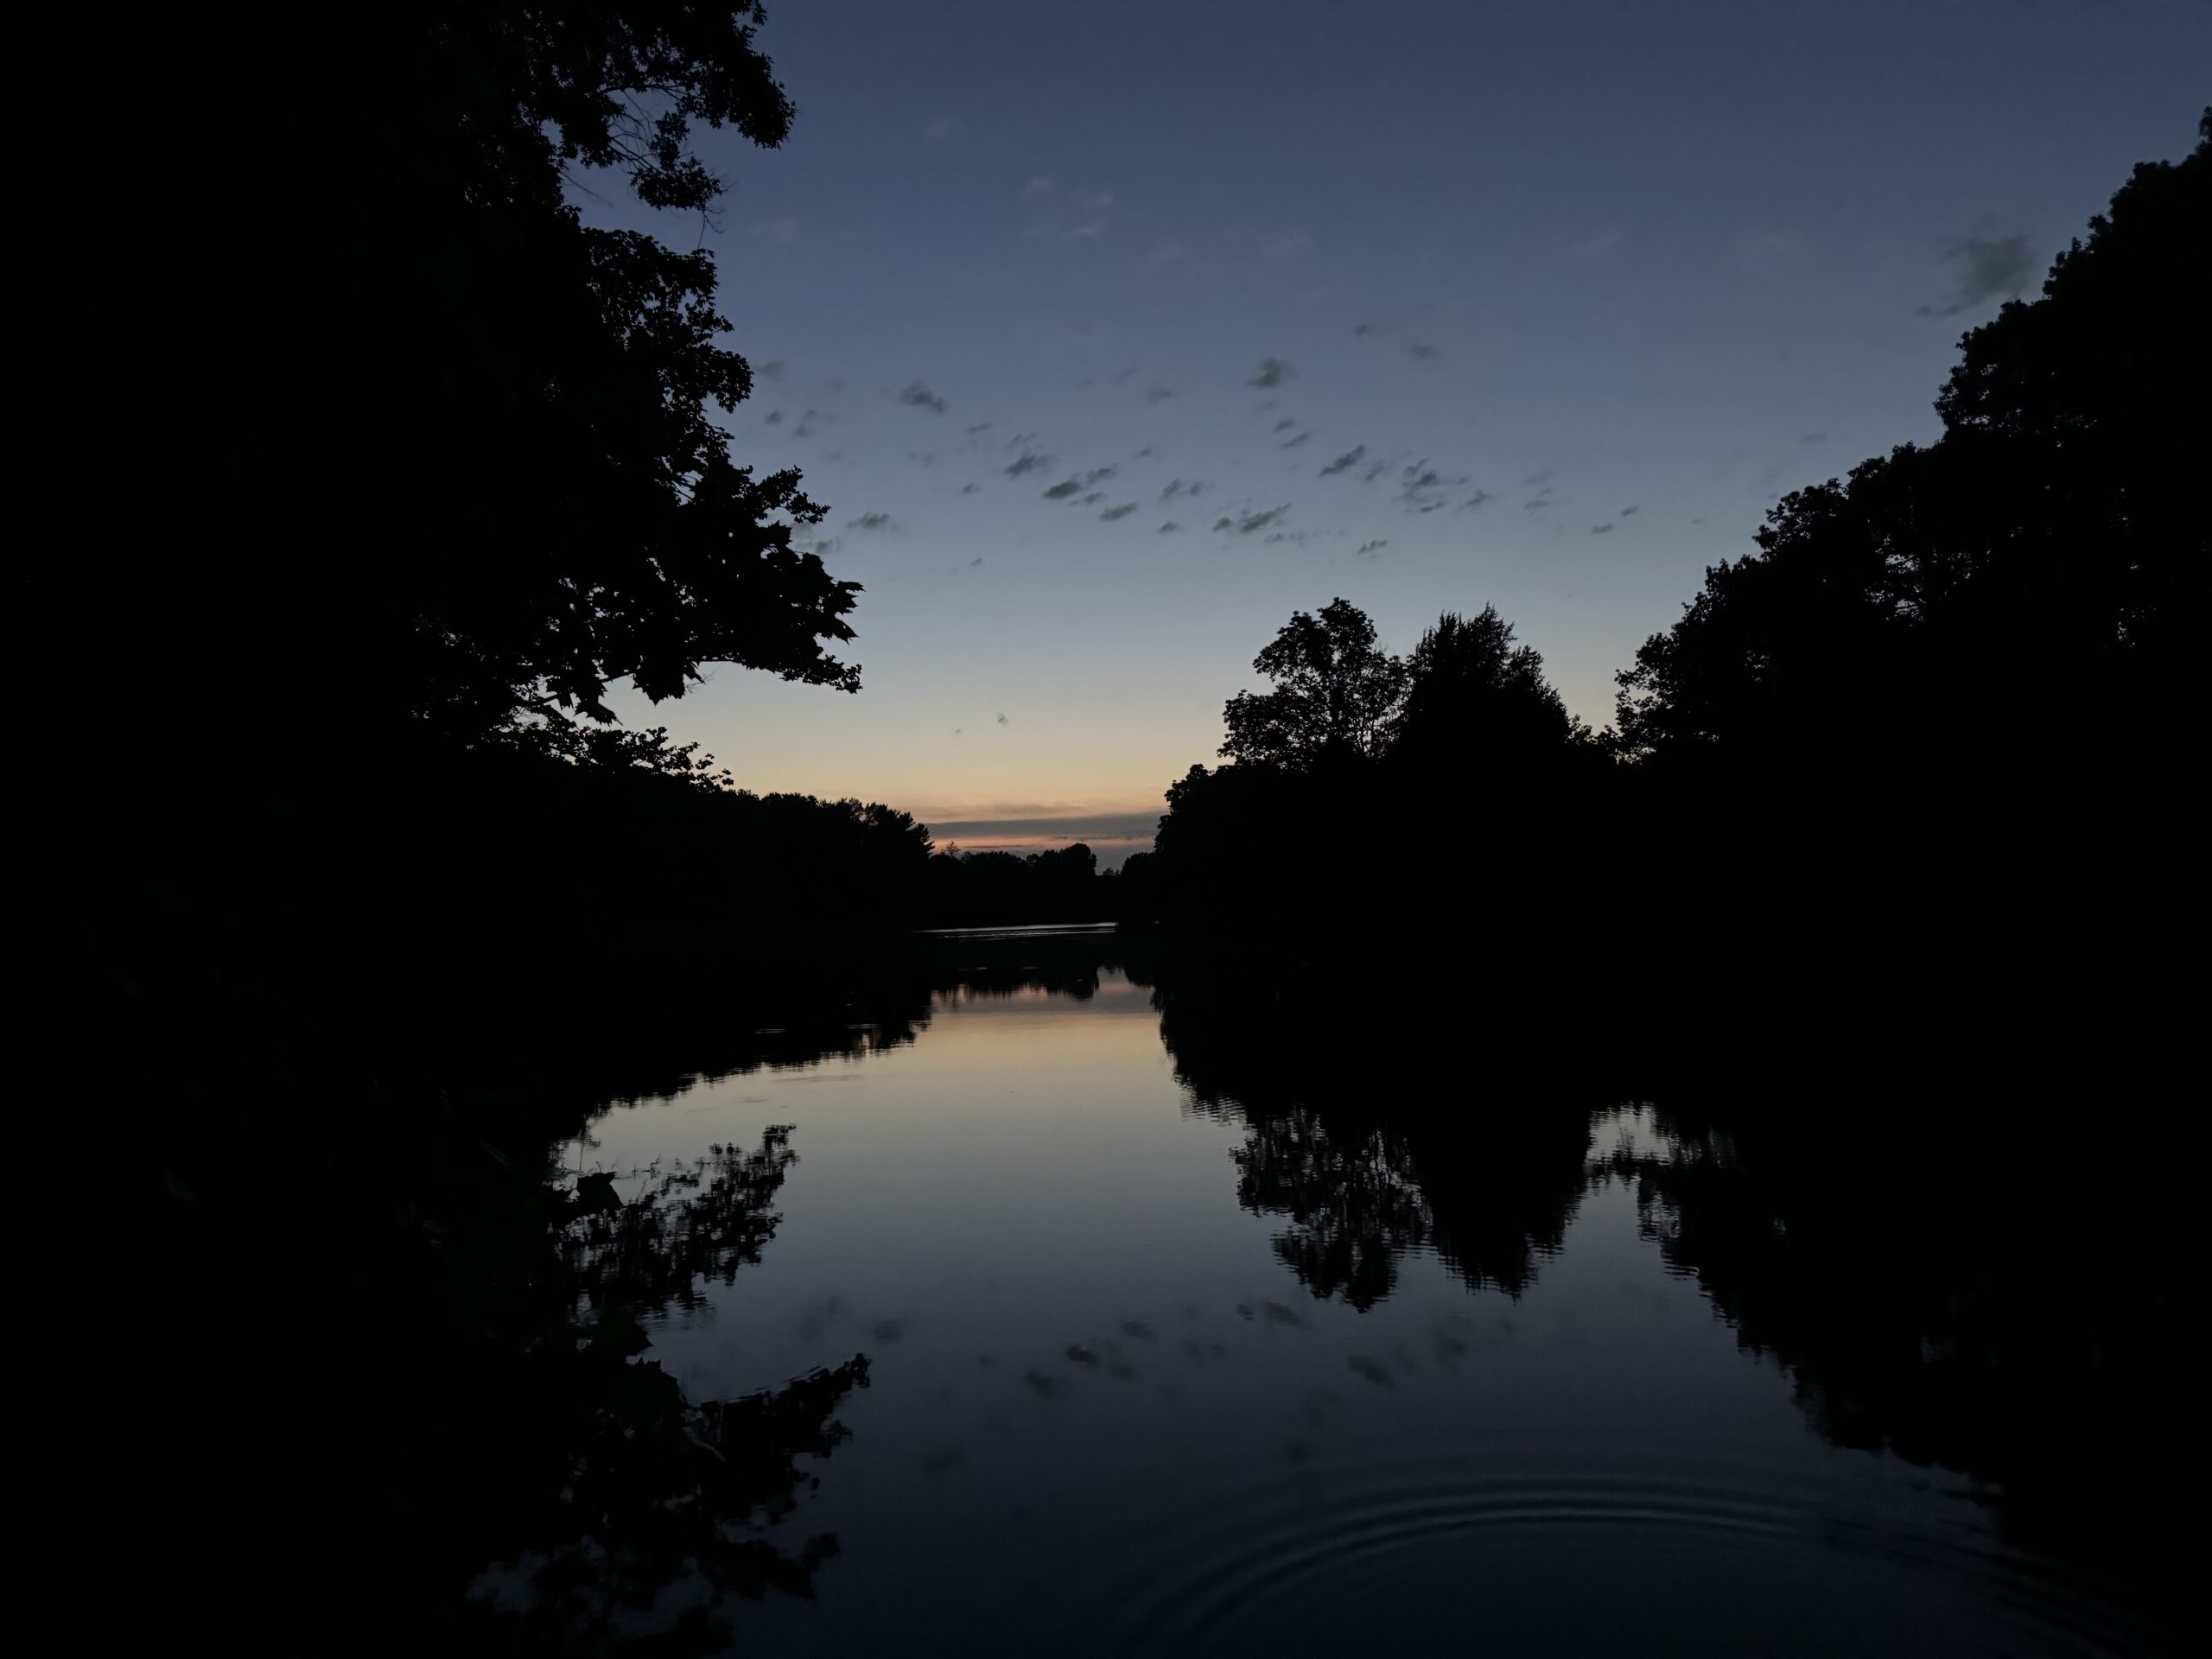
1176	1348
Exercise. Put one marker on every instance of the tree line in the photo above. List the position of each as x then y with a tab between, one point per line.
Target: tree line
1946	705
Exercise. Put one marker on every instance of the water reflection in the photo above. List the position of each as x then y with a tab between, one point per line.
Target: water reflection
1423	1318
1383	1134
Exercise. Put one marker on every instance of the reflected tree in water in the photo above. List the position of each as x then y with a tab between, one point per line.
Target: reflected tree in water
1377	1143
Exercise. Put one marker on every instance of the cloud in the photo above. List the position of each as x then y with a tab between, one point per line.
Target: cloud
1605	529
1814	437
1157	393
972	563
978	429
1285	246
775	233
1989	267
1421	484
1084	231
1165	255
1543	477
1029	460
1292	443
1480	498
922	457
942	127
875	521
775	418
1092	498
1039	186
1369	549
1121	511
1604	242
1630	512
1374	470
1272	372
1366	330
1167	528
1421	352
1245	523
1081	481
918	396
1346	462
1182	487
772	370
1003	720
1285	424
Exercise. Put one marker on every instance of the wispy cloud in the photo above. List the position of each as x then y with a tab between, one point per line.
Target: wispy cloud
1079	483
1422	486
875	521
1121	511
1988	268
1292	441
1182	487
940	128
1346	462
1164	255
1286	245
1245	523
1272	372
1168	529
1286	424
1029	460
1369	549
1157	393
918	396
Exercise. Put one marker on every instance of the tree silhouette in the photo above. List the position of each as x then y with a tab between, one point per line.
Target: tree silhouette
1469	691
1334	694
453	451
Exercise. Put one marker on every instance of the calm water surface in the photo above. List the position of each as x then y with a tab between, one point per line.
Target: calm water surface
1168	1357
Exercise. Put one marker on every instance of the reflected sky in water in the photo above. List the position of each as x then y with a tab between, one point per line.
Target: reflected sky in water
1121	1401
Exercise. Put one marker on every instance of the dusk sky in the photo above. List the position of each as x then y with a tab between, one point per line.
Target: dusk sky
1113	335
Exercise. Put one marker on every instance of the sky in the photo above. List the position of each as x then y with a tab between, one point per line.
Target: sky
1111	335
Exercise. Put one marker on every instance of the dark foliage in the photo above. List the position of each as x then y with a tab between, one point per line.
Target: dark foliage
1944	699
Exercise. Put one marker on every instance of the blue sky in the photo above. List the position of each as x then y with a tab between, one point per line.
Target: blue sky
1580	288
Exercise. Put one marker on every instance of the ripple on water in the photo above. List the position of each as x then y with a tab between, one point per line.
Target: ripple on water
1705	1557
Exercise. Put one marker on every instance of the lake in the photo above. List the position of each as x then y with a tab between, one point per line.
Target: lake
1206	1315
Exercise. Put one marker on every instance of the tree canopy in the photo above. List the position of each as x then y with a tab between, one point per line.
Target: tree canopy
1334	693
448	449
